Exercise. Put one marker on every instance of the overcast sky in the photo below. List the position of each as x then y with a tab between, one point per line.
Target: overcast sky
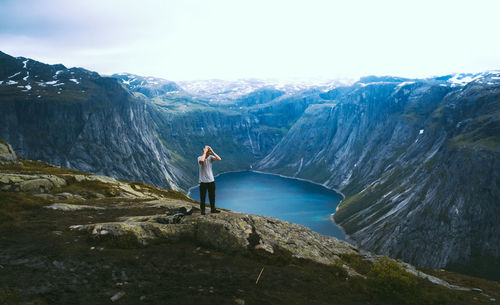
229	39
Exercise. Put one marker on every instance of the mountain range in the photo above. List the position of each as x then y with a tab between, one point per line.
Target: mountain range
417	160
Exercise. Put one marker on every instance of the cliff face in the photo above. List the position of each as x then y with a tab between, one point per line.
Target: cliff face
75	118
241	135
131	127
417	162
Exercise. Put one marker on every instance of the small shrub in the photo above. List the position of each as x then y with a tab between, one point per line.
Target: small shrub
356	262
389	281
339	271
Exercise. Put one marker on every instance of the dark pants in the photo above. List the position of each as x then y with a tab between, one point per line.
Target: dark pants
210	186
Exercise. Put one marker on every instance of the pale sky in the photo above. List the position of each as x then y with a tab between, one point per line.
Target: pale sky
230	39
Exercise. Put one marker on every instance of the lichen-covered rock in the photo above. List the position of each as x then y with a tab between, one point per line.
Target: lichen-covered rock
72	207
229	232
7	154
171	204
36	185
225	231
145	232
30	183
130	191
103	179
33	183
411	269
66	195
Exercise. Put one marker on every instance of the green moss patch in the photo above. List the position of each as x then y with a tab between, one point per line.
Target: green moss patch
36	167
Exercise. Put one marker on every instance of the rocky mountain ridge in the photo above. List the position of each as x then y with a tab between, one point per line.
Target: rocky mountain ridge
398	149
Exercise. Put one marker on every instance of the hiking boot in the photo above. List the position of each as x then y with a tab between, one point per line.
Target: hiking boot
214	211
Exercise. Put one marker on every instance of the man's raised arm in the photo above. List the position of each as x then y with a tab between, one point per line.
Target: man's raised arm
217	158
202	159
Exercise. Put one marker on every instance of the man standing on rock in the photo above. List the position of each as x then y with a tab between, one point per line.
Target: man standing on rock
206	178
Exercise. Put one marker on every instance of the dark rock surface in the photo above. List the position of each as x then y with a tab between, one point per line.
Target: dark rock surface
418	163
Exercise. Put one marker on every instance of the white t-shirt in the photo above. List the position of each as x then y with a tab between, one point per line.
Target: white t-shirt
206	174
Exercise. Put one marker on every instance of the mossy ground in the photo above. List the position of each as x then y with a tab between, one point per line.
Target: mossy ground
46	263
42	260
36	167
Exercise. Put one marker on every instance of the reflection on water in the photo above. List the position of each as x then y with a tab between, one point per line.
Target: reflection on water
292	200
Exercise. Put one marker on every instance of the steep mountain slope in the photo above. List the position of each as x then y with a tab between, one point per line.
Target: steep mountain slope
133	127
418	162
242	135
74	117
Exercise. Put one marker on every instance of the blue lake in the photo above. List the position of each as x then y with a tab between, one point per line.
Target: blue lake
288	199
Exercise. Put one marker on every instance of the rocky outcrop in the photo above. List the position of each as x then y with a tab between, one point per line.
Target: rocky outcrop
7	154
231	233
45	185
72	207
30	183
227	231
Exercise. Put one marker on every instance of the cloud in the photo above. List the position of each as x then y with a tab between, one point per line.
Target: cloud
195	39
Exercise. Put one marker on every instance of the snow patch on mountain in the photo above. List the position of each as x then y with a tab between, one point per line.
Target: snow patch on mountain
14	75
27	88
464	79
57	73
404	84
218	89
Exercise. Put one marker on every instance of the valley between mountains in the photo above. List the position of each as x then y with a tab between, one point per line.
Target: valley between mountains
417	160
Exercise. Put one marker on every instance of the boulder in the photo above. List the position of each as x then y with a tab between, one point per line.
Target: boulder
7	154
72	207
230	232
30	183
36	186
57	181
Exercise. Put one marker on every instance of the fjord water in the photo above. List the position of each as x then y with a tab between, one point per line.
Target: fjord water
288	199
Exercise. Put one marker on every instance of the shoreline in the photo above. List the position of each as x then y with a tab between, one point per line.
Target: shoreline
347	238
302	179
274	174
197	185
